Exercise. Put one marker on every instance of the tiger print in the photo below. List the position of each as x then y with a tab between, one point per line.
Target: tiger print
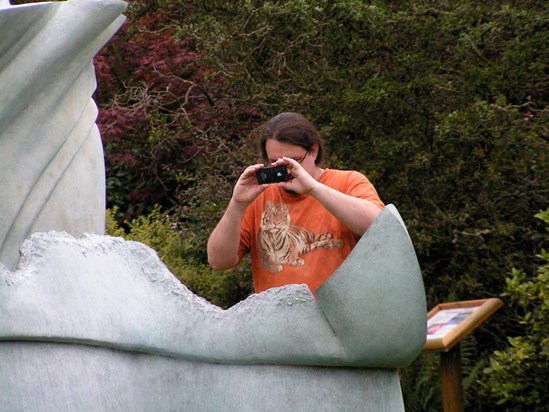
282	243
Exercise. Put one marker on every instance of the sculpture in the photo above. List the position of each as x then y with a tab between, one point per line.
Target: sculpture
98	323
50	150
113	304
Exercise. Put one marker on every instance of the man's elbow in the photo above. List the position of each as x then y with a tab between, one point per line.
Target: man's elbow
370	214
221	264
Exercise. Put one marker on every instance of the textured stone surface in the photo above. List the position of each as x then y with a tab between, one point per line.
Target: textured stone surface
375	302
104	290
99	379
51	159
108	311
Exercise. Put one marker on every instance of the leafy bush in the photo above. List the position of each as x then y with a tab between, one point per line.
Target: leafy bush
518	375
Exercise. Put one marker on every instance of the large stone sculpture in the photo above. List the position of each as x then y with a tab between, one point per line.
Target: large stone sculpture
96	323
51	159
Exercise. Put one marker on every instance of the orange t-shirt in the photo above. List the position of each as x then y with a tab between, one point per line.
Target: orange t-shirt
294	238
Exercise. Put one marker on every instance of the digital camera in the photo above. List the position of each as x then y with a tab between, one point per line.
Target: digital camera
272	175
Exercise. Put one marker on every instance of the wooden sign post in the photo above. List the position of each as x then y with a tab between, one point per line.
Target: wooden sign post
447	325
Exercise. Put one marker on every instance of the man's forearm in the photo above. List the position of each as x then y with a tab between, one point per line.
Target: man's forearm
353	212
224	241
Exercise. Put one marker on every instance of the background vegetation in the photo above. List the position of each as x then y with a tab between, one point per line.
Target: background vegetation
443	105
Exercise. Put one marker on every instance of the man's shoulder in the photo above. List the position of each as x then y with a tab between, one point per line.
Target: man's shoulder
337	175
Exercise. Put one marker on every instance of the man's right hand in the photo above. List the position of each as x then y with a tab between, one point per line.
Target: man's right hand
247	189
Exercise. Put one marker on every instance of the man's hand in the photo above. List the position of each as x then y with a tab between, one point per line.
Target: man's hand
301	181
247	188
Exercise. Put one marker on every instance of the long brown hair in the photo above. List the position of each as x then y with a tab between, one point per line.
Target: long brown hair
294	129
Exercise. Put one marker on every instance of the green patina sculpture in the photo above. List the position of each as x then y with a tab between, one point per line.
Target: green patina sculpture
120	304
52	171
370	313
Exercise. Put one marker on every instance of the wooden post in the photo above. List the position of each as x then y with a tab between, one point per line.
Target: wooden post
450	375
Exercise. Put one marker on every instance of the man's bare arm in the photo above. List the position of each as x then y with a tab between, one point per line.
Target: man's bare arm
353	212
224	241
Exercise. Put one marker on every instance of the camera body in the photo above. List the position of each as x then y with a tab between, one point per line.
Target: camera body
272	175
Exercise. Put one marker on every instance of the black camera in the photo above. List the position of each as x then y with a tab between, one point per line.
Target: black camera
272	175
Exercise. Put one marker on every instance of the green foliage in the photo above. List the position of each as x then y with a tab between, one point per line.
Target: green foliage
177	252
443	105
421	381
518	375
169	121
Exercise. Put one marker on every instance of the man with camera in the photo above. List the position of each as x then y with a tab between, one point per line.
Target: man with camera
298	220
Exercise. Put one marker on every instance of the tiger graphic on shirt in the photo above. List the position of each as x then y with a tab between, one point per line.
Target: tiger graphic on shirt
280	243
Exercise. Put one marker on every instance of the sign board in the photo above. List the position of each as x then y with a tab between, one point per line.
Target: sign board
448	323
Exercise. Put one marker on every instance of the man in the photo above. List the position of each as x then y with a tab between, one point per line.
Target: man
301	230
